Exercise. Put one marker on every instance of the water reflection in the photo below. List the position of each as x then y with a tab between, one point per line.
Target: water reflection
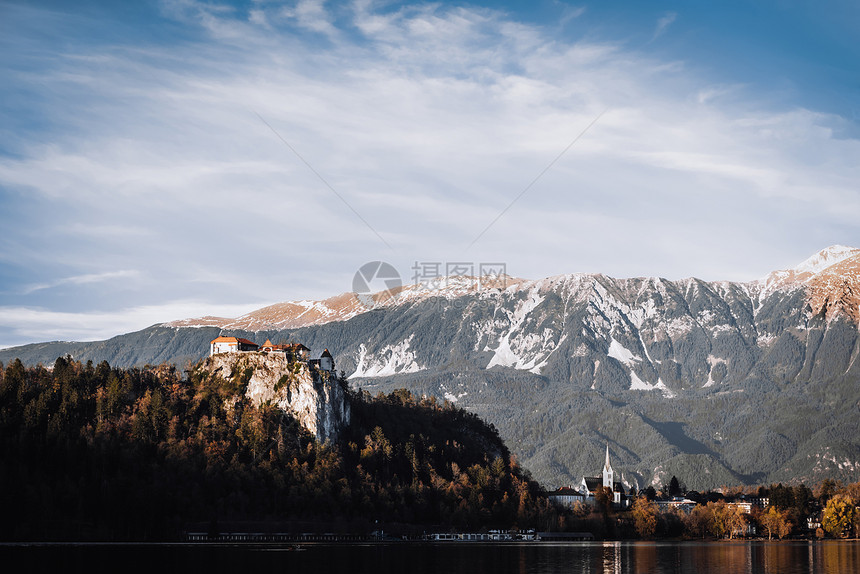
611	558
645	557
830	557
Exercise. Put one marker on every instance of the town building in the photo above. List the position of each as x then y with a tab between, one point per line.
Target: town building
678	503
566	496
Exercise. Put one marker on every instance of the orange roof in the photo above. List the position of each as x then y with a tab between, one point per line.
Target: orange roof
268	343
233	340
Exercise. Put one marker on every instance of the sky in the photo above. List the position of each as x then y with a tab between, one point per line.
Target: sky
172	159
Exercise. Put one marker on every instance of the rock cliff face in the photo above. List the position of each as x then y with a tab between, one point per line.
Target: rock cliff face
315	398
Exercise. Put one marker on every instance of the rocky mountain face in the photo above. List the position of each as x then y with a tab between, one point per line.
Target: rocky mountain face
316	399
715	382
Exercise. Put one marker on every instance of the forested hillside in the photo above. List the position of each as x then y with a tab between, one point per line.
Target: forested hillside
94	452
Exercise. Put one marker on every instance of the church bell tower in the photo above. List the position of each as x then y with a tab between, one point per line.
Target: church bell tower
608	473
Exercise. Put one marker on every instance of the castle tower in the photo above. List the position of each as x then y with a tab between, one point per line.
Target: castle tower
326	361
608	473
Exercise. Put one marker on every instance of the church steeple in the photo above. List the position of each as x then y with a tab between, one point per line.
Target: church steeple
608	473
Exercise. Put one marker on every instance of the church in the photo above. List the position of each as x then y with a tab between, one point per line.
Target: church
591	483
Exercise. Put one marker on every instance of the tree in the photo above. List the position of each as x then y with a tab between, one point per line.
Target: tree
736	520
838	517
603	498
782	497
775	521
697	521
645	515
827	489
719	519
784	528
674	487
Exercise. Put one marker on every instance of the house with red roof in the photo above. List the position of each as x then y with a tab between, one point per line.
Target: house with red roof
231	345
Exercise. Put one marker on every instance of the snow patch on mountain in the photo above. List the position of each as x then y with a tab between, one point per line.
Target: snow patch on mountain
637	384
648	310
581	351
826	258
620	353
513	344
680	326
713	362
391	360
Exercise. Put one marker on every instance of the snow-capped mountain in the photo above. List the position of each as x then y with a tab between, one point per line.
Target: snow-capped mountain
595	331
295	314
715	382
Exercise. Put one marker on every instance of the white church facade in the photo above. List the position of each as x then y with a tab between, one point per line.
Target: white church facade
585	492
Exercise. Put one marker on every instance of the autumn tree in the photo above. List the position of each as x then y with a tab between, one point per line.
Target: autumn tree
737	520
698	521
838	517
645	515
775	521
719	519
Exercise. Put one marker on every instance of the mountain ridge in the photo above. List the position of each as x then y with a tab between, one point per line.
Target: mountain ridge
715	382
296	314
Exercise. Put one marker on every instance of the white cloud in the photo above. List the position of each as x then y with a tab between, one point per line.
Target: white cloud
24	324
428	126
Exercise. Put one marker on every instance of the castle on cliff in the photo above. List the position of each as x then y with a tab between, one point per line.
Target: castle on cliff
290	351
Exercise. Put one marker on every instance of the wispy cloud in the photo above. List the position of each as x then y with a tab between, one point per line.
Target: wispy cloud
312	14
568	12
84	279
428	119
663	24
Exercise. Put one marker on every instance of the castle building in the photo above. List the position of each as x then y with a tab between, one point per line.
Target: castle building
293	351
231	345
324	363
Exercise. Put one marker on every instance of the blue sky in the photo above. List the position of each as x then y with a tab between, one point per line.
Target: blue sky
179	158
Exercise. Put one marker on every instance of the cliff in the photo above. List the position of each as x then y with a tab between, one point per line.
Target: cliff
316	399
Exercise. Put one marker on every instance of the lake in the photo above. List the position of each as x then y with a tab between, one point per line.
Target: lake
468	558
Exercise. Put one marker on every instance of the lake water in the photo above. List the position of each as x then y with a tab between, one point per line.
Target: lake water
468	558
